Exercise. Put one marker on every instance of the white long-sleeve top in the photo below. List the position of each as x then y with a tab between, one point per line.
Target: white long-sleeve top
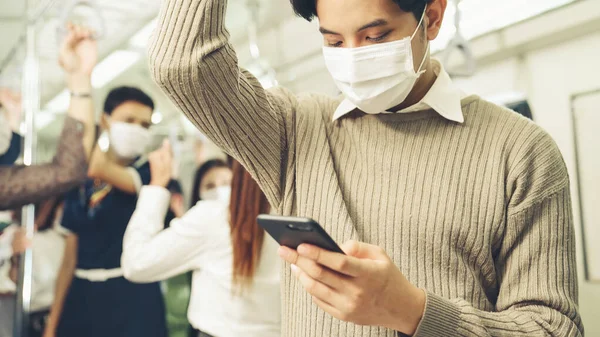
200	241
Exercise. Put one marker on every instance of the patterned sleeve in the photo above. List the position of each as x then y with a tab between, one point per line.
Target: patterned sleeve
22	185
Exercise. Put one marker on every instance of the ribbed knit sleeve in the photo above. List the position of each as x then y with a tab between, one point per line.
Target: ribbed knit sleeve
192	61
536	262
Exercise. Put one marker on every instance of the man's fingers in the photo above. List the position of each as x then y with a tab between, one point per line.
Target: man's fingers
288	254
314	287
363	250
326	298
322	274
328	308
344	264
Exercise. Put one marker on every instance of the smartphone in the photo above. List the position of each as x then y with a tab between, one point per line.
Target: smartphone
291	232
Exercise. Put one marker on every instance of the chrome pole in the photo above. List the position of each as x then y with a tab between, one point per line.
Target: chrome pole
31	104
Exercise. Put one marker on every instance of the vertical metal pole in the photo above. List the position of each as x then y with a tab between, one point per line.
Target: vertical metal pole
31	105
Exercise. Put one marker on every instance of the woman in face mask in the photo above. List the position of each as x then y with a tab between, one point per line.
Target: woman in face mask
93	299
235	288
212	182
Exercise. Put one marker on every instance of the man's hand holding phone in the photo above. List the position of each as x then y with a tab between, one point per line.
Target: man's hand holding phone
363	287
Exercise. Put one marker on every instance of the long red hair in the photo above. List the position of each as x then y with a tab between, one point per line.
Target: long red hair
247	202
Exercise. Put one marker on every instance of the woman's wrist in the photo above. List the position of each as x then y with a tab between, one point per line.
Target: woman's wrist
80	83
159	183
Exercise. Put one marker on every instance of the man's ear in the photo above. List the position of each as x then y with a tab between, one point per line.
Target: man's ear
434	15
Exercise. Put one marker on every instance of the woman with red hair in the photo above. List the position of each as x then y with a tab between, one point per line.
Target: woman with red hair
235	286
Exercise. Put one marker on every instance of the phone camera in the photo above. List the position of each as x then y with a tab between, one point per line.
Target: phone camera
300	227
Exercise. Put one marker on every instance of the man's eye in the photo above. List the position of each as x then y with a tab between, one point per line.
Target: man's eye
378	38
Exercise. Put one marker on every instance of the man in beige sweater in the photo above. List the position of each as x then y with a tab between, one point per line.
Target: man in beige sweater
458	210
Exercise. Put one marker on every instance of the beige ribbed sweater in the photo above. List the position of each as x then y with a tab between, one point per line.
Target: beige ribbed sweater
478	214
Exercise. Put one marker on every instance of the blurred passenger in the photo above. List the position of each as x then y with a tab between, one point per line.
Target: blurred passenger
21	185
177	288
47	247
235	287
92	297
211	181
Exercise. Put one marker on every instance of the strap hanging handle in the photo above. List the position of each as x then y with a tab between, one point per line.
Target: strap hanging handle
458	42
75	5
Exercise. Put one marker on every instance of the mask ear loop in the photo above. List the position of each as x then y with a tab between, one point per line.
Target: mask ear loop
419	71
420	22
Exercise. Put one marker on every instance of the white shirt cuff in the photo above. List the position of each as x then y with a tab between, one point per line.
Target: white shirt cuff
154	201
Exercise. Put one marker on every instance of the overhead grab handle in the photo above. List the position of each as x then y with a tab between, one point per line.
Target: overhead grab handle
258	66
82	12
460	44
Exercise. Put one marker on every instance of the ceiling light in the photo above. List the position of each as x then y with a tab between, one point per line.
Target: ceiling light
112	66
142	37
60	103
43	119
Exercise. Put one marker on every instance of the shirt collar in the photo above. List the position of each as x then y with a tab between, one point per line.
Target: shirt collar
444	97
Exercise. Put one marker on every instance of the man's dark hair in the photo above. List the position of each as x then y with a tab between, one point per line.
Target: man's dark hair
308	8
120	95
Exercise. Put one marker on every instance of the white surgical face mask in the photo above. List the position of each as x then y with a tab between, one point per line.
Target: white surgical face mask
222	194
128	140
377	77
5	134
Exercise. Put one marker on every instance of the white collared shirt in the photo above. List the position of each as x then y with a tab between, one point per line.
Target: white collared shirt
444	97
